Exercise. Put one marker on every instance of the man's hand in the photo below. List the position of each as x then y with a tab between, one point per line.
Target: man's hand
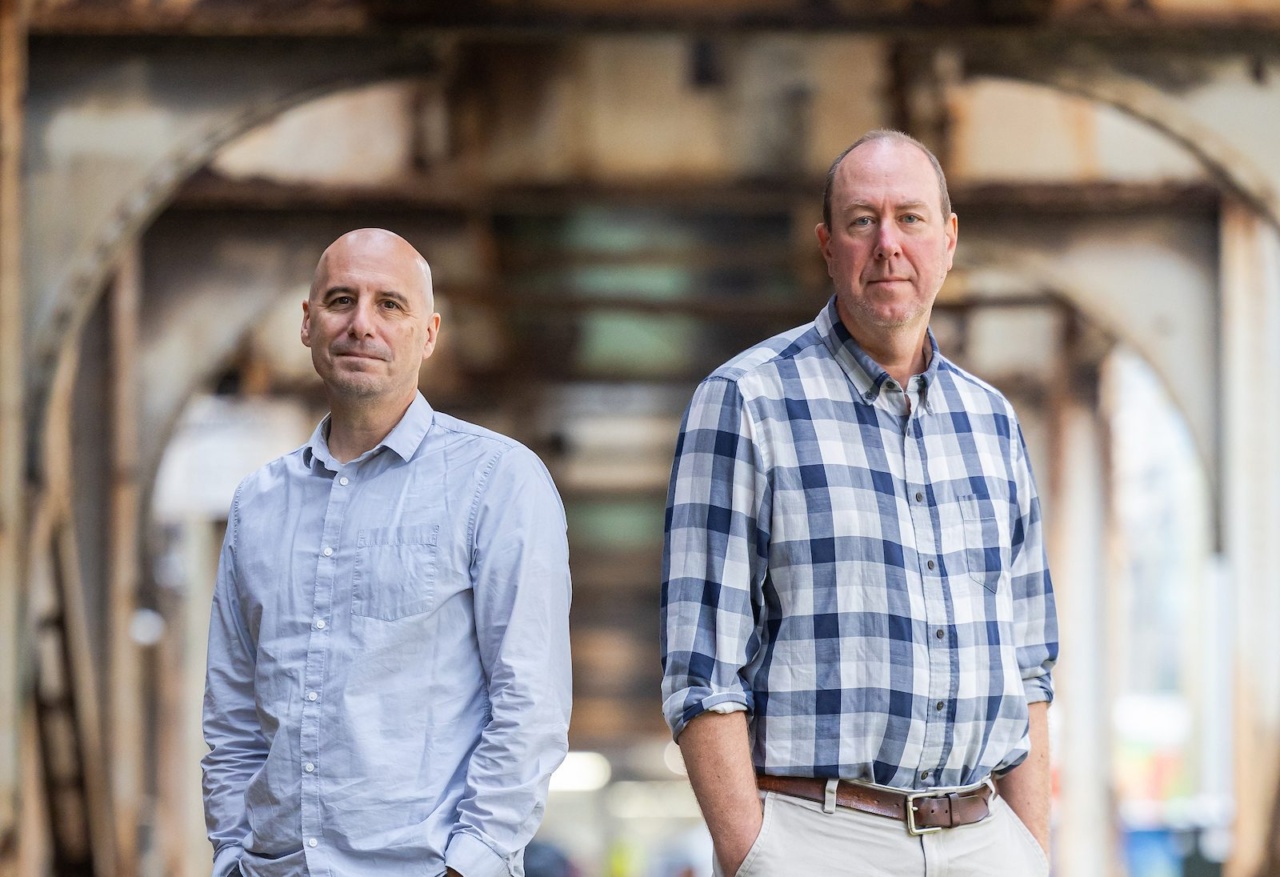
717	754
1027	788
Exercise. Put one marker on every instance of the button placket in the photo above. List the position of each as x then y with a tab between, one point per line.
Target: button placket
328	574
941	660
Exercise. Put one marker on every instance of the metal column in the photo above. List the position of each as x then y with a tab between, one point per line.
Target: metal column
12	451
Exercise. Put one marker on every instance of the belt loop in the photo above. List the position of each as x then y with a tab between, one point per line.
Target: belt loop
829	802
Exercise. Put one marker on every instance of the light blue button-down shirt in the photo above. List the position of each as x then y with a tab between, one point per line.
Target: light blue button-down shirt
389	682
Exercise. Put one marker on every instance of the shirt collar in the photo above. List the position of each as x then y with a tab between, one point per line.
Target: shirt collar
403	440
867	375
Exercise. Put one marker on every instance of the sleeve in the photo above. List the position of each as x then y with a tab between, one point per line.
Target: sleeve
237	748
1035	616
520	576
715	557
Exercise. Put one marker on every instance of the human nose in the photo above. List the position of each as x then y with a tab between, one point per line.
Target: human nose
361	323
888	243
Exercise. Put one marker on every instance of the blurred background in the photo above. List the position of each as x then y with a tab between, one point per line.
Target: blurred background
615	198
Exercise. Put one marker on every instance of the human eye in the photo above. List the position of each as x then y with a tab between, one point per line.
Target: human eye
391	304
861	221
912	219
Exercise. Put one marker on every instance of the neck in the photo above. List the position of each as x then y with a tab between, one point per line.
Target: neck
356	426
902	352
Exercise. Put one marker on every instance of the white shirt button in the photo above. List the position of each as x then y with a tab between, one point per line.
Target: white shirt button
344	481
309	767
320	624
311	842
311	695
328	552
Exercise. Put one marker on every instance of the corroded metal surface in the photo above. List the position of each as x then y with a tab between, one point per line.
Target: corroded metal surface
12	483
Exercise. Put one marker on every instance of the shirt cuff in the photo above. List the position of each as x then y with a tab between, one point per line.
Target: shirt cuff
725	708
680	709
227	860
472	857
1038	688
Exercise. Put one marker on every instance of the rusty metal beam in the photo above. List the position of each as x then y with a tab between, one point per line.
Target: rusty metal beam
126	731
67	668
208	191
900	17
1251	517
13	73
243	18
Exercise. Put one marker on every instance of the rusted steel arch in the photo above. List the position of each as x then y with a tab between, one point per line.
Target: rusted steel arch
1175	331
1095	74
233	89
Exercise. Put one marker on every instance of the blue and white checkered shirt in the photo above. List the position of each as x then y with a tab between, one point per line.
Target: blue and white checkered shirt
866	578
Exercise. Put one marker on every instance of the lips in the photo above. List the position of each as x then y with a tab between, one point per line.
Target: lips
360	354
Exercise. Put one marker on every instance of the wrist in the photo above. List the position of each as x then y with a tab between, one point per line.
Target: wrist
732	847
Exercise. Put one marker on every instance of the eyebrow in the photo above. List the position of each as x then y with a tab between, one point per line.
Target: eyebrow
349	290
903	205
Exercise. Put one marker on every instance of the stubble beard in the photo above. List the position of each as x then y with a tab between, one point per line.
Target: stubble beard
355	384
891	315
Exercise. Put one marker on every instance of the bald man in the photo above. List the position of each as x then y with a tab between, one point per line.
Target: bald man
388	685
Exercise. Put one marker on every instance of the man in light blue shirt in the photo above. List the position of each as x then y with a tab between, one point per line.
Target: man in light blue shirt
388	688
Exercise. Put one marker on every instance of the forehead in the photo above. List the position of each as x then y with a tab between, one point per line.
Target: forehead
379	267
889	171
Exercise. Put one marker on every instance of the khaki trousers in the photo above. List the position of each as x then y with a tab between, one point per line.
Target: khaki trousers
798	839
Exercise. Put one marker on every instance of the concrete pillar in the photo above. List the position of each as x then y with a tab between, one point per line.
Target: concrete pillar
1250	517
12	450
1081	717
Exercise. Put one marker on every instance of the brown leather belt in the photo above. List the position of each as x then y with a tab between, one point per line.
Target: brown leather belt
921	812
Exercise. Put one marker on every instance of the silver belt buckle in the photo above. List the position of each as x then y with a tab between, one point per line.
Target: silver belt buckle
915	830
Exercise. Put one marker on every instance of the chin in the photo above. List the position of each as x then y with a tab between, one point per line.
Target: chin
351	386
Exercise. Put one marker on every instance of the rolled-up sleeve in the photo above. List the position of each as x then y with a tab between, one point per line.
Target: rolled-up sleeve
237	748
1035	616
520	575
715	555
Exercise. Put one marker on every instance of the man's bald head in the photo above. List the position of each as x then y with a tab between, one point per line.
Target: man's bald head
374	245
370	321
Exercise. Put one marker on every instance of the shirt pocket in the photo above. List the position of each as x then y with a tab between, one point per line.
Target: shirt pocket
982	554
395	572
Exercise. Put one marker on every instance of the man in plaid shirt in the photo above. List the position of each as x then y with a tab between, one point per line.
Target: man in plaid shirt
858	621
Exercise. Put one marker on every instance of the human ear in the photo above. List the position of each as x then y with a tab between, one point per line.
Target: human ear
306	323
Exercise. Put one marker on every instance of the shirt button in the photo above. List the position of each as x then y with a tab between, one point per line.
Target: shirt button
309	767
320	624
344	481
328	552
919	496
924	775
941	704
311	842
931	564
311	695
941	633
